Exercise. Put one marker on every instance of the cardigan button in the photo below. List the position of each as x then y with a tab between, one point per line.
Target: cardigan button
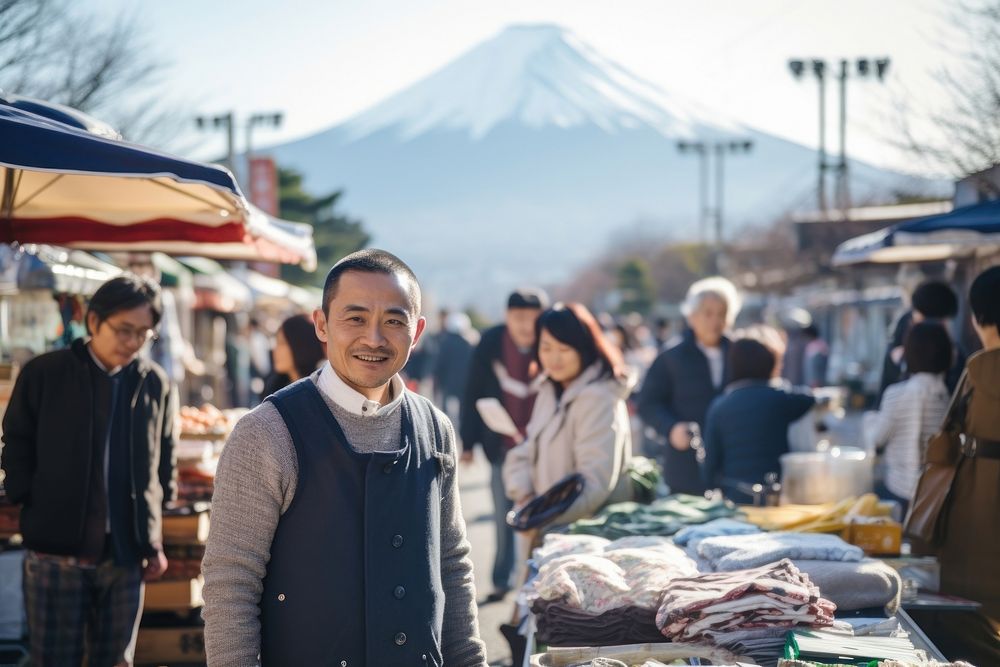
397	541
281	597
400	638
399	592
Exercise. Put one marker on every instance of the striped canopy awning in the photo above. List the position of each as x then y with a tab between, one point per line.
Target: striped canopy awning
67	186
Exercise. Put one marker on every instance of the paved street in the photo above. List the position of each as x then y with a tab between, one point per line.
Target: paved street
474	482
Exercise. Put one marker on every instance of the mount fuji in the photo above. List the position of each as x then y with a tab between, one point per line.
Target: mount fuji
528	154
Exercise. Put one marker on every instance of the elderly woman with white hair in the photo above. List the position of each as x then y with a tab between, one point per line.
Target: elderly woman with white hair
685	379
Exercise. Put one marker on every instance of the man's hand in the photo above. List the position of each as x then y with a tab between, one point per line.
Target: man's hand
156	565
680	436
467	457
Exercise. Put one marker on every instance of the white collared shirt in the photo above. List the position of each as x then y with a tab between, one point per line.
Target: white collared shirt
353	401
112	372
716	363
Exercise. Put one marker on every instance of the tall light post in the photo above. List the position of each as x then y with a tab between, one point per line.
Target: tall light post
865	66
226	122
800	68
699	149
703	149
272	119
735	147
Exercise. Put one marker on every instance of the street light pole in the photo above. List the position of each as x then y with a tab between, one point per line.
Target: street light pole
224	121
843	192
719	180
702	149
819	68
865	66
271	119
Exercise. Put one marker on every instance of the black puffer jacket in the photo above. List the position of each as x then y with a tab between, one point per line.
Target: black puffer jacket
47	451
678	388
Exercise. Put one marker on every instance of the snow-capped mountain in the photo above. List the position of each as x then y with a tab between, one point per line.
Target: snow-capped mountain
536	76
525	155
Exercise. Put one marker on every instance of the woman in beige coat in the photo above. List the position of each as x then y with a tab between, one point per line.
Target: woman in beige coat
580	422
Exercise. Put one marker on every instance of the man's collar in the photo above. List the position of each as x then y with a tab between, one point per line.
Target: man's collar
111	373
353	401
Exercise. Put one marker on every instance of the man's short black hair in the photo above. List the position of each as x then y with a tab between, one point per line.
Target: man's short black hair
935	300
371	260
984	297
126	292
927	348
528	297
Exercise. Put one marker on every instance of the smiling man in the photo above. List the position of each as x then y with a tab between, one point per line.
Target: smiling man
337	535
88	452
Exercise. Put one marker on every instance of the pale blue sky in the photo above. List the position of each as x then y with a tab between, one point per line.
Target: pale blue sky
321	62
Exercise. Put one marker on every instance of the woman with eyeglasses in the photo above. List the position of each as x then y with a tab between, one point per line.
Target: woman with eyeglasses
88	453
580	421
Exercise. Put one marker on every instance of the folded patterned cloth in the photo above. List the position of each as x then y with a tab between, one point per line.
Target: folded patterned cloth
595	583
693	535
775	595
557	545
851	586
736	552
587	582
648	572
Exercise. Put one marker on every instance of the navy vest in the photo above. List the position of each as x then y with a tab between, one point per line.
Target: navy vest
355	571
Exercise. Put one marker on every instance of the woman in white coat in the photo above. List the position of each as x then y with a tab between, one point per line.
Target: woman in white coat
580	422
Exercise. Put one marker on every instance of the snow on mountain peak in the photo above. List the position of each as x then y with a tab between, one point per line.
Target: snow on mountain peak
537	75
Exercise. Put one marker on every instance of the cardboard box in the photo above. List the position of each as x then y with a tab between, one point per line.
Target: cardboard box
173	595
877	536
170	645
186	528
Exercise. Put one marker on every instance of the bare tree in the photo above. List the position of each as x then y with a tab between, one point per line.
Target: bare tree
968	122
51	51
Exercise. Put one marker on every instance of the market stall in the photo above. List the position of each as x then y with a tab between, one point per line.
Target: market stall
687	578
171	630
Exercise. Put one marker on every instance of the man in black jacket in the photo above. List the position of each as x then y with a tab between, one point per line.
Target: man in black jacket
88	453
685	379
503	368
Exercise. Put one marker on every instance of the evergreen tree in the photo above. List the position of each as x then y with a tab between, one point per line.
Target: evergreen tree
635	283
335	234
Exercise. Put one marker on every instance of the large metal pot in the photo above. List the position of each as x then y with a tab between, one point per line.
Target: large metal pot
812	478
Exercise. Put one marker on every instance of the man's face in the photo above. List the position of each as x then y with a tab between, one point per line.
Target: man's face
369	330
708	321
117	340
521	326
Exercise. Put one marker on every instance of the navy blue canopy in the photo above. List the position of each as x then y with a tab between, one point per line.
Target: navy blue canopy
33	141
958	233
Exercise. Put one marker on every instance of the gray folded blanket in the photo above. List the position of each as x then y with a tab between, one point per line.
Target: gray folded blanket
855	585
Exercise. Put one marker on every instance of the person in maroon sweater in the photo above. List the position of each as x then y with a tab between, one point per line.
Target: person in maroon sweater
502	367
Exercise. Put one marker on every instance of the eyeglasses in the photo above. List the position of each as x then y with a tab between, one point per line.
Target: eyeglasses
126	335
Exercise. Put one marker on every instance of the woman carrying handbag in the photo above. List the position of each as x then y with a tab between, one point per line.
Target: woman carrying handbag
966	536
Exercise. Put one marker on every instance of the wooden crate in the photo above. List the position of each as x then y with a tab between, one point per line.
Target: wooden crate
173	595
186	528
170	645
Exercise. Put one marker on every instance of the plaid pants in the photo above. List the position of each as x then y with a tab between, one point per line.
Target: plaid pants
75	609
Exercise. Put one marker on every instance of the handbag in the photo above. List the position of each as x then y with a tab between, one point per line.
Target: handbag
925	521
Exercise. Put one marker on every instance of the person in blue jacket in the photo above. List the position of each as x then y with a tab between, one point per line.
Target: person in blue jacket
746	430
